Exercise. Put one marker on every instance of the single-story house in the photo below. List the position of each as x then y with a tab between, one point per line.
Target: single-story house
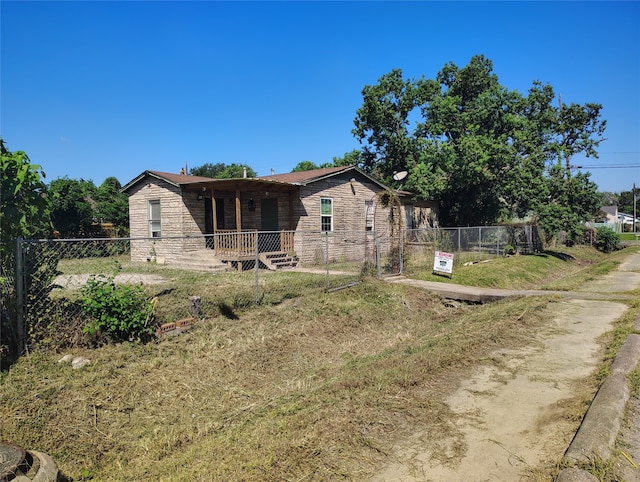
611	214
266	213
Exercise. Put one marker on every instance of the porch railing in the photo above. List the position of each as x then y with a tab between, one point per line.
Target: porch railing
286	242
229	242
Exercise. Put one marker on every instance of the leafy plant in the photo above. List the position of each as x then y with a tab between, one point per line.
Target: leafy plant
607	239
120	312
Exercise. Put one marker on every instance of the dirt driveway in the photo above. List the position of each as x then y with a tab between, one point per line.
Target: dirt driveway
511	413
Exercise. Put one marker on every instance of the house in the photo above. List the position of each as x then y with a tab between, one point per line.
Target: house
611	213
266	214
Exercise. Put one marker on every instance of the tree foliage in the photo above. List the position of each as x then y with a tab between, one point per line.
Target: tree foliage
484	151
24	213
73	207
24	204
222	171
112	206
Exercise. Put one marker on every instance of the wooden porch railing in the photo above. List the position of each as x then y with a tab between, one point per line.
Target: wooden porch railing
228	242
286	242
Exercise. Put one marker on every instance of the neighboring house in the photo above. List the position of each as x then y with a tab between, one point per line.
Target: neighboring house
611	213
281	207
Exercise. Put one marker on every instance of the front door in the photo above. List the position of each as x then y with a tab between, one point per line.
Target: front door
270	240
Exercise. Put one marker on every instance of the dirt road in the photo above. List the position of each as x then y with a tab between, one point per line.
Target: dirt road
510	415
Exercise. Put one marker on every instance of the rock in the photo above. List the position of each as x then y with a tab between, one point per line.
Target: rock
79	362
65	359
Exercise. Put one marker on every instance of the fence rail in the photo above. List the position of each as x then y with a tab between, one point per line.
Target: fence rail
43	285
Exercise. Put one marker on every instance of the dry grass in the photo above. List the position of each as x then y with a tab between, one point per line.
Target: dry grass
314	388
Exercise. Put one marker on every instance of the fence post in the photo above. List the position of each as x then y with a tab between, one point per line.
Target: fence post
20	295
326	255
257	272
459	245
379	268
401	252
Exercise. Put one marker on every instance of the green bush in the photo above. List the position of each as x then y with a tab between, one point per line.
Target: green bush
119	312
607	240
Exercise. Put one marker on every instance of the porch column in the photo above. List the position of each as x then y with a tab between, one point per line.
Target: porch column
214	211
238	212
290	210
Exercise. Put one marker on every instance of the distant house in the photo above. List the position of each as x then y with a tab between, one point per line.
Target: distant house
279	207
611	213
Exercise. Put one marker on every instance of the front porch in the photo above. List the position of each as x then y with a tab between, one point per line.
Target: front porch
273	249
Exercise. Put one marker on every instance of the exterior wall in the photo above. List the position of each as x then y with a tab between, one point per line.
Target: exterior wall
348	240
177	217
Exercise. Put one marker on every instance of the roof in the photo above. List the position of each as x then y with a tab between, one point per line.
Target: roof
307	177
281	181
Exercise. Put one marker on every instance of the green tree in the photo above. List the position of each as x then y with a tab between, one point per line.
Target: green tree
223	171
483	150
208	170
73	207
625	202
112	206
351	158
566	202
304	166
25	206
24	212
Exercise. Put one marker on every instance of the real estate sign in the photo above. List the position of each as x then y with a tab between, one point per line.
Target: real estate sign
443	262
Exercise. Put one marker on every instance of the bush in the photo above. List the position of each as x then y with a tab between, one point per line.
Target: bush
607	240
119	312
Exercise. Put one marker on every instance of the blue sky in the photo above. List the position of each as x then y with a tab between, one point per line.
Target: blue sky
97	89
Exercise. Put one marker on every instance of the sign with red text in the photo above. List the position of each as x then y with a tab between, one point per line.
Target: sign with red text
443	262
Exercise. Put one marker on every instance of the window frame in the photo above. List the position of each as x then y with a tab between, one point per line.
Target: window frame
324	216
369	216
155	225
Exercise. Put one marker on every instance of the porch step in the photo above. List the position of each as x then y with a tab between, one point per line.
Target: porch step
278	260
201	260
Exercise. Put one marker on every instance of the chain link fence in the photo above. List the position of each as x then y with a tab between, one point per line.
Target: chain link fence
200	277
476	243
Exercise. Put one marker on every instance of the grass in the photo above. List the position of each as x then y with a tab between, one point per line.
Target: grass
317	387
562	269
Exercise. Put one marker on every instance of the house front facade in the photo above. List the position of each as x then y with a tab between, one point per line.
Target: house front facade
267	214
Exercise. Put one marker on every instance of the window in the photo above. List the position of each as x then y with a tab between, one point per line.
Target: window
326	214
154	218
368	215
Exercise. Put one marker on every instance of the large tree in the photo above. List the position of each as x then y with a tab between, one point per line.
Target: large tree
483	150
73	205
111	205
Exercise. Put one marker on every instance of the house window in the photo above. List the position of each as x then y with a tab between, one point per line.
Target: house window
368	215
326	214
154	218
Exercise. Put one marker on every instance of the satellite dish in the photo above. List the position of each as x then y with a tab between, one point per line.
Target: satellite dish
399	176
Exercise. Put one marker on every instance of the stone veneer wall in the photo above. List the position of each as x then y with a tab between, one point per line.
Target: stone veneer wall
177	219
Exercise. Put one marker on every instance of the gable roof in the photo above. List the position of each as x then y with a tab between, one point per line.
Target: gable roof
176	180
303	178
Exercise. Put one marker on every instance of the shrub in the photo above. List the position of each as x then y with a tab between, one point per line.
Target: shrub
119	312
607	240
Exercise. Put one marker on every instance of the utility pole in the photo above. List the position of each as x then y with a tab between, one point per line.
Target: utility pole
635	219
